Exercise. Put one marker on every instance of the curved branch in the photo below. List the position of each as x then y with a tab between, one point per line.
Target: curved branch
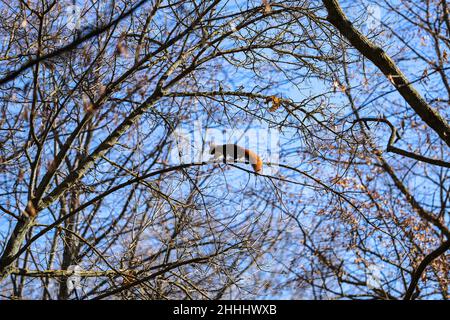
395	136
421	268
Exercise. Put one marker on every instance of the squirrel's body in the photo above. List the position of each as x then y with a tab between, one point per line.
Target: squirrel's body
237	152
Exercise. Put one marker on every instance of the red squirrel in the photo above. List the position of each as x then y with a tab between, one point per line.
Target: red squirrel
237	152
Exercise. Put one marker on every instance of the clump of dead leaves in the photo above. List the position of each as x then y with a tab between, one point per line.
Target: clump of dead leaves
276	102
267	7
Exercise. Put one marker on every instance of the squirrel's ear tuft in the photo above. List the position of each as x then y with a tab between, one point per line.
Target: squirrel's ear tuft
212	148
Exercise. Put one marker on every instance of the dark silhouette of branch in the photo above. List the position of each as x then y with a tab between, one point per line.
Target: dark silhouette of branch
26	223
386	65
421	268
170	266
14	74
394	138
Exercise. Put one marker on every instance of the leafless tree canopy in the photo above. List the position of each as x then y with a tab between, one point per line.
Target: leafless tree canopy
94	206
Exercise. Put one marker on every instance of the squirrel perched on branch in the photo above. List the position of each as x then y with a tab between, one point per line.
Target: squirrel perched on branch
237	152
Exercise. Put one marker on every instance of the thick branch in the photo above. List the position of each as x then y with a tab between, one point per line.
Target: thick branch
377	55
421	268
64	273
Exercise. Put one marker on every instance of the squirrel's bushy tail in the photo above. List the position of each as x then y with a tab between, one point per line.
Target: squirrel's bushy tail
254	160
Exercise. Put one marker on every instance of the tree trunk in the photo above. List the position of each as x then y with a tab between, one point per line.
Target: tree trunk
13	246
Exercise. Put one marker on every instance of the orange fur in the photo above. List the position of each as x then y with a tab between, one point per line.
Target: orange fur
238	152
254	159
